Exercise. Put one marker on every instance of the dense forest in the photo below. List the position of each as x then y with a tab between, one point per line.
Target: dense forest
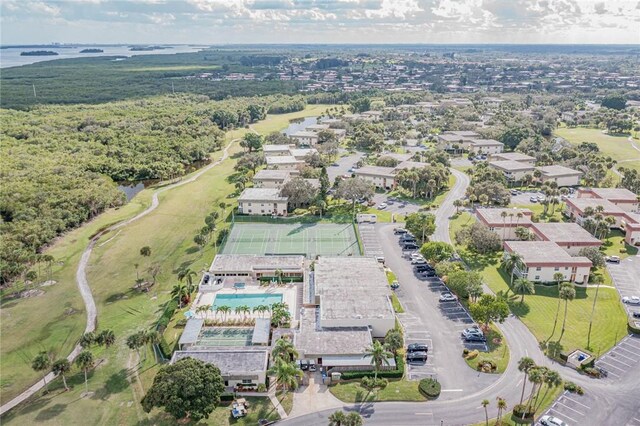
59	163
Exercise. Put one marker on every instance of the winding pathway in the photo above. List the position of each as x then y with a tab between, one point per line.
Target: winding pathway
83	283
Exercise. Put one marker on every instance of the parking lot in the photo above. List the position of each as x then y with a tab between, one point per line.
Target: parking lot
395	206
369	239
625	276
622	360
416	332
572	408
525	197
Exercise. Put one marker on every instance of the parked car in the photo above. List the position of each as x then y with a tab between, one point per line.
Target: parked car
303	364
448	297
472	329
422	268
551	421
409	241
407	236
416	256
395	285
417	347
312	365
410	246
612	259
418	356
533	199
475	338
418	261
541	198
636	314
346	176
631	300
399	231
382	206
429	274
472	332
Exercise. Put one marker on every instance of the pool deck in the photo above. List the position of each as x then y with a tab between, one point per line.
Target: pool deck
289	294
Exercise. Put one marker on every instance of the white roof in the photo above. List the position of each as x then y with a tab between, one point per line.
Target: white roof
261	194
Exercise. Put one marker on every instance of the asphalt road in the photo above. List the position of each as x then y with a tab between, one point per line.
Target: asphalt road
626	278
343	165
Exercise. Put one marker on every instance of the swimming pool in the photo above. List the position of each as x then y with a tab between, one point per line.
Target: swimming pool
248	299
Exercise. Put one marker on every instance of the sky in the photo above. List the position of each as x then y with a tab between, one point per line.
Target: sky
319	21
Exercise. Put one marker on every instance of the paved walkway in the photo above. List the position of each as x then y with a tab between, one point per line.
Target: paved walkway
83	284
313	397
274	399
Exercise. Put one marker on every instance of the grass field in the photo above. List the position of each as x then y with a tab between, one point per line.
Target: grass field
55	320
310	239
396	390
498	352
617	147
539	309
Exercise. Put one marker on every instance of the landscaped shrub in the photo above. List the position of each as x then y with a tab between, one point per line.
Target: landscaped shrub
572	387
631	325
166	350
465	352
398	373
261	387
518	409
592	372
169	309
227	396
429	388
372	383
486	366
473	354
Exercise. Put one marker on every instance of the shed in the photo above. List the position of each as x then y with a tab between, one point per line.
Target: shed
261	331
191	332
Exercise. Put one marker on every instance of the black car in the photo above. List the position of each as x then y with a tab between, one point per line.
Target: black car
636	314
399	231
410	246
418	356
475	338
422	268
417	347
429	274
407	236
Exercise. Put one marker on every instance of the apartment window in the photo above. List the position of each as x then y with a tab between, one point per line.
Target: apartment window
247	381
537	277
566	268
556	268
539	268
249	204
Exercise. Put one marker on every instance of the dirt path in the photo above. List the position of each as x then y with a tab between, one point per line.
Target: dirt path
83	284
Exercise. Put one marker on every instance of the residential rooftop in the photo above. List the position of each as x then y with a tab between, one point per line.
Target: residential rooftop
191	331
375	171
510	165
411	165
304	134
486	142
563	233
352	288
230	361
557	171
301	152
270	174
513	156
226	263
275	148
614	194
261	331
544	253
282	159
582	203
494	216
261	194
313	339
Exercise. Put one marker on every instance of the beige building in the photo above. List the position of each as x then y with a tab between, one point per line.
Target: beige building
380	177
514	171
514	156
283	162
459	140
621	197
305	138
255	266
276	150
262	201
267	178
486	146
562	176
505	225
541	260
571	237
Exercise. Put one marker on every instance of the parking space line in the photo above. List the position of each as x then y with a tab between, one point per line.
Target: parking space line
562	415
579	403
611	365
627	343
626	357
572	409
627	350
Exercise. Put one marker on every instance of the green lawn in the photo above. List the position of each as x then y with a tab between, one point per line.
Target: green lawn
286	400
278	122
55	320
539	309
259	408
615	242
498	352
397	306
397	390
617	147
538	212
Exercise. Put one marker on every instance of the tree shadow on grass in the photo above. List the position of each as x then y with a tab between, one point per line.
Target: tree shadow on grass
115	383
518	309
192	250
50	412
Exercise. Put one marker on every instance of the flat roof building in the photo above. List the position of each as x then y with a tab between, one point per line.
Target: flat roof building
505	227
268	178
513	170
562	176
514	156
571	237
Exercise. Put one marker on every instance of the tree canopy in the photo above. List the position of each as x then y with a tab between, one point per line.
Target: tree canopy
189	388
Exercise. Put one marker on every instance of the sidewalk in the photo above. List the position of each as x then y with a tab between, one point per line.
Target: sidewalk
274	400
313	397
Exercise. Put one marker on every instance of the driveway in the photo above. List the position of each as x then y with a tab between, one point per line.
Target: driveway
395	206
313	397
343	165
626	278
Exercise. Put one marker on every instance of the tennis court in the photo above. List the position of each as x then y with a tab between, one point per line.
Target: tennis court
213	337
308	239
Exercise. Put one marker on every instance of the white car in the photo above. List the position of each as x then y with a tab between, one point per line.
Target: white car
418	261
631	300
551	421
382	206
417	256
612	259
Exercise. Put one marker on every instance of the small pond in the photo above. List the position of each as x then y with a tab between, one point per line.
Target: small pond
299	124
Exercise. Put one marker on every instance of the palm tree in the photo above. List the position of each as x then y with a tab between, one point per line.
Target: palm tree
510	262
202	309
503	215
279	273
106	338
457	204
552	379
558	278
48	259
485	403
502	406
85	361
224	310
525	365
379	355
87	339
473	198
135	341
522	286
337	418
60	367
284	349
244	310
536	377
354	419
42	362
261	309
287	374
599	280
150	337
179	292
567	293
187	275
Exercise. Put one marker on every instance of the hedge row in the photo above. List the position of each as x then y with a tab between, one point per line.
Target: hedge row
166	350
429	388
169	309
398	373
